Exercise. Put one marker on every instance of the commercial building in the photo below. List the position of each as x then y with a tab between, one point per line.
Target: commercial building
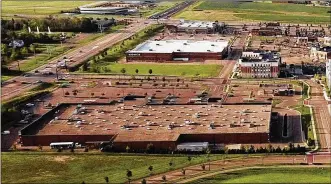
178	50
259	64
104	10
136	126
320	53
196	27
328	73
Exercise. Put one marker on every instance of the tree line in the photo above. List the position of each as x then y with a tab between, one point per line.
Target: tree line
65	24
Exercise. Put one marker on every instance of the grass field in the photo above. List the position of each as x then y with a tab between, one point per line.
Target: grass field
203	70
39	7
28	167
43	58
253	11
272	175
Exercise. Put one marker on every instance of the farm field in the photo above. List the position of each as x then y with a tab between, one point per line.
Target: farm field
29	167
272	175
253	11
39	7
204	70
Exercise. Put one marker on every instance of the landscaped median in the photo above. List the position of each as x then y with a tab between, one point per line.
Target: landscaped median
306	114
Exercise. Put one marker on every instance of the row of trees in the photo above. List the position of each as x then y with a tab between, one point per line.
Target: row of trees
150	148
11	54
72	24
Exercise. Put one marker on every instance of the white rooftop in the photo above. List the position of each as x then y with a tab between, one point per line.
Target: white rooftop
195	24
170	46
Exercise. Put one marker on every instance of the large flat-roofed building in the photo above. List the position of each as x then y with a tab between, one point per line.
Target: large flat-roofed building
104	10
203	27
259	64
178	50
165	126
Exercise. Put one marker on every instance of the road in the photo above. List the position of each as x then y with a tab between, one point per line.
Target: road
10	89
226	164
322	116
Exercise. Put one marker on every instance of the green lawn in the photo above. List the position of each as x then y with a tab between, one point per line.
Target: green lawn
39	7
272	175
294	13
29	167
203	70
43	58
6	77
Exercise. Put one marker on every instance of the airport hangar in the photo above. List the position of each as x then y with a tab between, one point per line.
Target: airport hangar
179	50
136	126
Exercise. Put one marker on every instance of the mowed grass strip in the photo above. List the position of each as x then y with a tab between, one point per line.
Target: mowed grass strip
37	167
39	7
271	175
225	11
203	70
43	58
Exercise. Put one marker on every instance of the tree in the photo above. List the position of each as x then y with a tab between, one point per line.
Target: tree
183	171
164	178
189	158
291	146
107	179
150	148
203	167
269	148
128	175
25	51
137	71
150	168
143	181
150	71
170	164
123	71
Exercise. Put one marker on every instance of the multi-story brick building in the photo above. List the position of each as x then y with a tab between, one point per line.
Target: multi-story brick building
259	64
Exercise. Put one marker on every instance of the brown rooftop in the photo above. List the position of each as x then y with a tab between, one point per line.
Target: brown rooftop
158	122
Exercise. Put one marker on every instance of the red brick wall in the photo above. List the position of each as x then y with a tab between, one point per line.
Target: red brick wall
121	146
150	57
161	57
230	138
45	140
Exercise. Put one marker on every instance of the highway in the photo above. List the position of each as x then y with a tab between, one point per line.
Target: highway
81	54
